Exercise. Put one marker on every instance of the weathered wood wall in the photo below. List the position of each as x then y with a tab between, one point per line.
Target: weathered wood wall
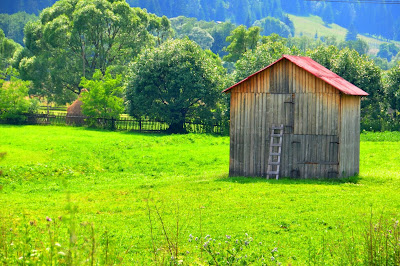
349	153
308	107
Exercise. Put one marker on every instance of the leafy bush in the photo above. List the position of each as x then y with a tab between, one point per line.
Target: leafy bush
15	103
104	96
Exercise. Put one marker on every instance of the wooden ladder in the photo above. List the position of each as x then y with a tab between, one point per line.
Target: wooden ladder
275	150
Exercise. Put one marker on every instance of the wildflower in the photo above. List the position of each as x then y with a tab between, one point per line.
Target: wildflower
245	256
272	258
21	258
187	252
274	250
57	244
32	223
206	244
48	219
279	264
229	237
190	236
226	242
260	243
206	237
218	253
61	253
12	244
237	241
196	238
180	262
246	234
246	243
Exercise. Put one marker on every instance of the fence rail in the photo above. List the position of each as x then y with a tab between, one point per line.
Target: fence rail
121	124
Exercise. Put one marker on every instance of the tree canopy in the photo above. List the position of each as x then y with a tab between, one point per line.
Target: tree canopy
176	81
73	38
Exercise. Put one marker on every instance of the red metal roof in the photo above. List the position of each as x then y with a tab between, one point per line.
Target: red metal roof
317	70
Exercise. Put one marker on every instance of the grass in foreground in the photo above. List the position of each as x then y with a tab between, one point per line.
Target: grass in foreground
73	195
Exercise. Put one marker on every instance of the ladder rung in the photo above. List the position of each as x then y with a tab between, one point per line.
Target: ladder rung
274	163
274	154
276	135
276	144
273	173
277	127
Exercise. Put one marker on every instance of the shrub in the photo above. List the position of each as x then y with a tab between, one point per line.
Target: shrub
15	103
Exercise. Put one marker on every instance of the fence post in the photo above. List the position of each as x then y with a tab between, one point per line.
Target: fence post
112	123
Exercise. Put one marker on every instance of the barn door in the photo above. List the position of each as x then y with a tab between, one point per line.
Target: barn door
315	156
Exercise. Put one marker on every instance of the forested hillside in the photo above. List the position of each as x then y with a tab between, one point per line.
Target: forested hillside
375	19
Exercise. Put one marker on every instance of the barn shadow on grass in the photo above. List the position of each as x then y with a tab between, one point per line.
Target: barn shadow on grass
291	181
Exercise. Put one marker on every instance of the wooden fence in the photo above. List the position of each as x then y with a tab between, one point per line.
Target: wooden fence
121	124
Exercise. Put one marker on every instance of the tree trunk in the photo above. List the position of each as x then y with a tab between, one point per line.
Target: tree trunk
177	127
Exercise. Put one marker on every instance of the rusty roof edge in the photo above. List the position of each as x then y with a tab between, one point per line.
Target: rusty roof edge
324	78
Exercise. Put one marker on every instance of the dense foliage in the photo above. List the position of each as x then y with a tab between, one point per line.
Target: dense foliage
13	25
373	19
176	81
103	96
75	37
15	103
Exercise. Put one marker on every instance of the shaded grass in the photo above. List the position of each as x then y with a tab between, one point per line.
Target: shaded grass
113	177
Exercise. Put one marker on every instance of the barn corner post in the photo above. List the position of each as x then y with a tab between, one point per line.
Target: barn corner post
320	114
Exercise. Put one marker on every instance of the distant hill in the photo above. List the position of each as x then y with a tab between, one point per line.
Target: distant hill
314	25
373	19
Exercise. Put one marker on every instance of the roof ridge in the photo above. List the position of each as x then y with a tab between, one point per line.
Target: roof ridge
318	71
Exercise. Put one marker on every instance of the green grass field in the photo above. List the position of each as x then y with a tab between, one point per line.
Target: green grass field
118	198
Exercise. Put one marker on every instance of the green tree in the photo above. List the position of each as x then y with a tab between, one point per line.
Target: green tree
73	38
388	51
8	50
241	40
175	82
359	45
271	25
14	101
264	55
103	98
201	37
393	90
351	34
13	25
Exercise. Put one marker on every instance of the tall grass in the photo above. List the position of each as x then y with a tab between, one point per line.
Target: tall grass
128	198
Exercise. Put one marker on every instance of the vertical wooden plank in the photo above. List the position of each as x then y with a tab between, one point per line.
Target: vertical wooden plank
241	133
263	135
252	132
237	133
258	135
232	135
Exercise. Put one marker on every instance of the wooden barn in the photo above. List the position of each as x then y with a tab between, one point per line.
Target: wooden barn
295	118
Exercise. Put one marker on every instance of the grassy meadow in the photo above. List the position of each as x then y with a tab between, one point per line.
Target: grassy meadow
310	25
72	195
